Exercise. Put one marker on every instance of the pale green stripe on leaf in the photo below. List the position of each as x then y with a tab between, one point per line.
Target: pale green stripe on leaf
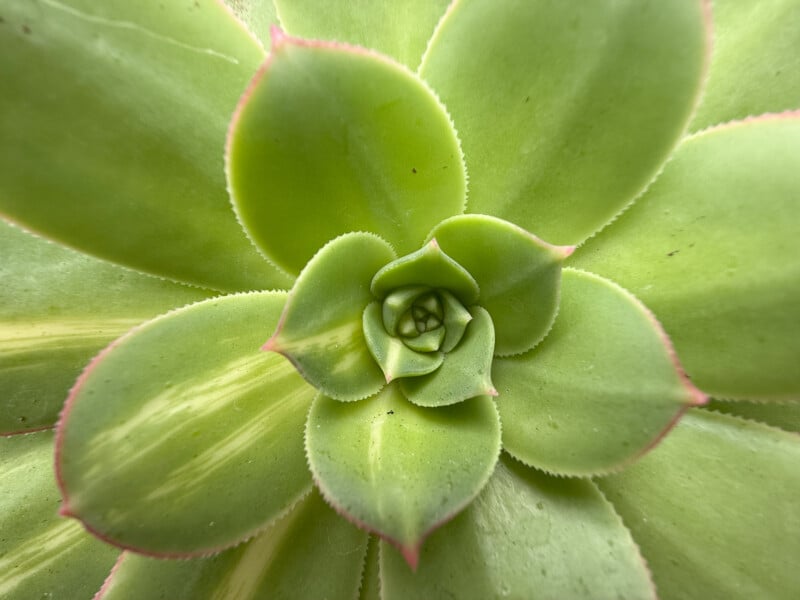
526	535
116	143
398	469
185	437
566	110
332	139
310	553
257	15
714	509
321	327
598	391
42	554
712	248
755	66
400	28
58	308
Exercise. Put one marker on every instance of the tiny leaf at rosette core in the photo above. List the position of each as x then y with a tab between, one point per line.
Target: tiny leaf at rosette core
325	125
181	438
398	469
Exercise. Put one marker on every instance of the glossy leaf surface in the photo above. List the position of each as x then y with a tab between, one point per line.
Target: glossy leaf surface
566	110
466	371
714	509
602	387
398	469
526	535
58	308
712	249
183	438
308	554
321	328
324	126
114	128
399	29
41	554
518	275
755	66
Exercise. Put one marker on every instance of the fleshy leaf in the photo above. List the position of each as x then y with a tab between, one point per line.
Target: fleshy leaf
456	319
310	553
397	469
712	248
392	355
428	266
518	274
755	67
398	29
116	142
599	391
371	578
41	554
258	15
396	304
566	110
182	438
324	126
714	509
58	308
526	535
786	415
321	328
466	372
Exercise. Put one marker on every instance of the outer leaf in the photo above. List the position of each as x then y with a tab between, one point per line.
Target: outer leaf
397	469
714	509
599	391
465	372
258	15
755	67
786	416
428	266
59	308
113	126
518	274
713	249
400	28
371	577
566	110
42	555
321	329
182	438
309	554
325	126
526	536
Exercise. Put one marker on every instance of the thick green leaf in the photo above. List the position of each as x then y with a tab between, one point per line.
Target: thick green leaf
466	372
428	266
397	469
310	553
258	15
113	129
599	391
58	308
400	28
712	248
325	126
371	577
392	355
714	509
183	438
755	67
41	554
518	274
778	414
566	109
321	328
526	536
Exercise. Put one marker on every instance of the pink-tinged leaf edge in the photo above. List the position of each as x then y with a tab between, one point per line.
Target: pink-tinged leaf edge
109	579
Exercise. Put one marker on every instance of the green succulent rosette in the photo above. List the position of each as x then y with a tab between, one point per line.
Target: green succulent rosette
468	299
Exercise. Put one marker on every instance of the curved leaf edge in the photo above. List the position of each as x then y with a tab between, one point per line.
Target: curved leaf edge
61	425
280	39
110	577
227	8
751	419
411	552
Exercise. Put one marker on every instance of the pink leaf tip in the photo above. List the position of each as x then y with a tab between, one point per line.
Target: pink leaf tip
411	555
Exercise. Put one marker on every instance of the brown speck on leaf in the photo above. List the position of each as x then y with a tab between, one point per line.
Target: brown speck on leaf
26	30
527	99
391	412
673	253
413	170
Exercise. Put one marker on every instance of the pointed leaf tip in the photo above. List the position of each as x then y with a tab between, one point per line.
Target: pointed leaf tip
411	556
278	37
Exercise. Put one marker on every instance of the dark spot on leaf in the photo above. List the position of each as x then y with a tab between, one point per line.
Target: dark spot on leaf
413	170
2	20
25	29
527	99
391	412
673	253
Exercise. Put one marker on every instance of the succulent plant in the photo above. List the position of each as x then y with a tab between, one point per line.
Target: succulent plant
479	299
